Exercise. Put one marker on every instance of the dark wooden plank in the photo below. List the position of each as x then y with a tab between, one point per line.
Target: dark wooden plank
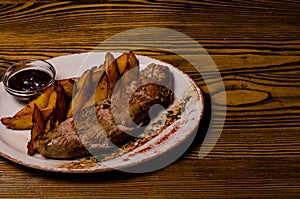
253	177
256	47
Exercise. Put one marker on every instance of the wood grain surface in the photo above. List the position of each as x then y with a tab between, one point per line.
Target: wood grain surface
256	46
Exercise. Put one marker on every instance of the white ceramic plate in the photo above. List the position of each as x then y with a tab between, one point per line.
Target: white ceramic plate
13	143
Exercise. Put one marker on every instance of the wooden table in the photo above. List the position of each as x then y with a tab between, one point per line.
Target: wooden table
256	47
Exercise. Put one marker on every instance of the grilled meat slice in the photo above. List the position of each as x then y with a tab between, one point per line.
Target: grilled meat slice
97	129
62	142
154	86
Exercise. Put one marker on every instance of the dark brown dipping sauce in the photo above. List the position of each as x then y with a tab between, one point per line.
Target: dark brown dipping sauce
29	80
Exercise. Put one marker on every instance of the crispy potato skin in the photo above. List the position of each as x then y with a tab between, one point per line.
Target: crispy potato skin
37	129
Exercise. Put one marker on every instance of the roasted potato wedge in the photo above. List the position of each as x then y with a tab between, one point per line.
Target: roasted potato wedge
70	110
18	123
47	112
132	66
52	99
81	80
97	74
61	104
101	92
51	122
23	122
83	93
132	61
112	72
102	88
68	85
90	102
122	62
37	129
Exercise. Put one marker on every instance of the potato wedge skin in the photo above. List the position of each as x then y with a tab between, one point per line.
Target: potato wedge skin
52	99
24	122
81	80
112	72
132	61
133	67
50	122
37	129
68	85
58	103
85	88
122	62
61	104
101	92
97	74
